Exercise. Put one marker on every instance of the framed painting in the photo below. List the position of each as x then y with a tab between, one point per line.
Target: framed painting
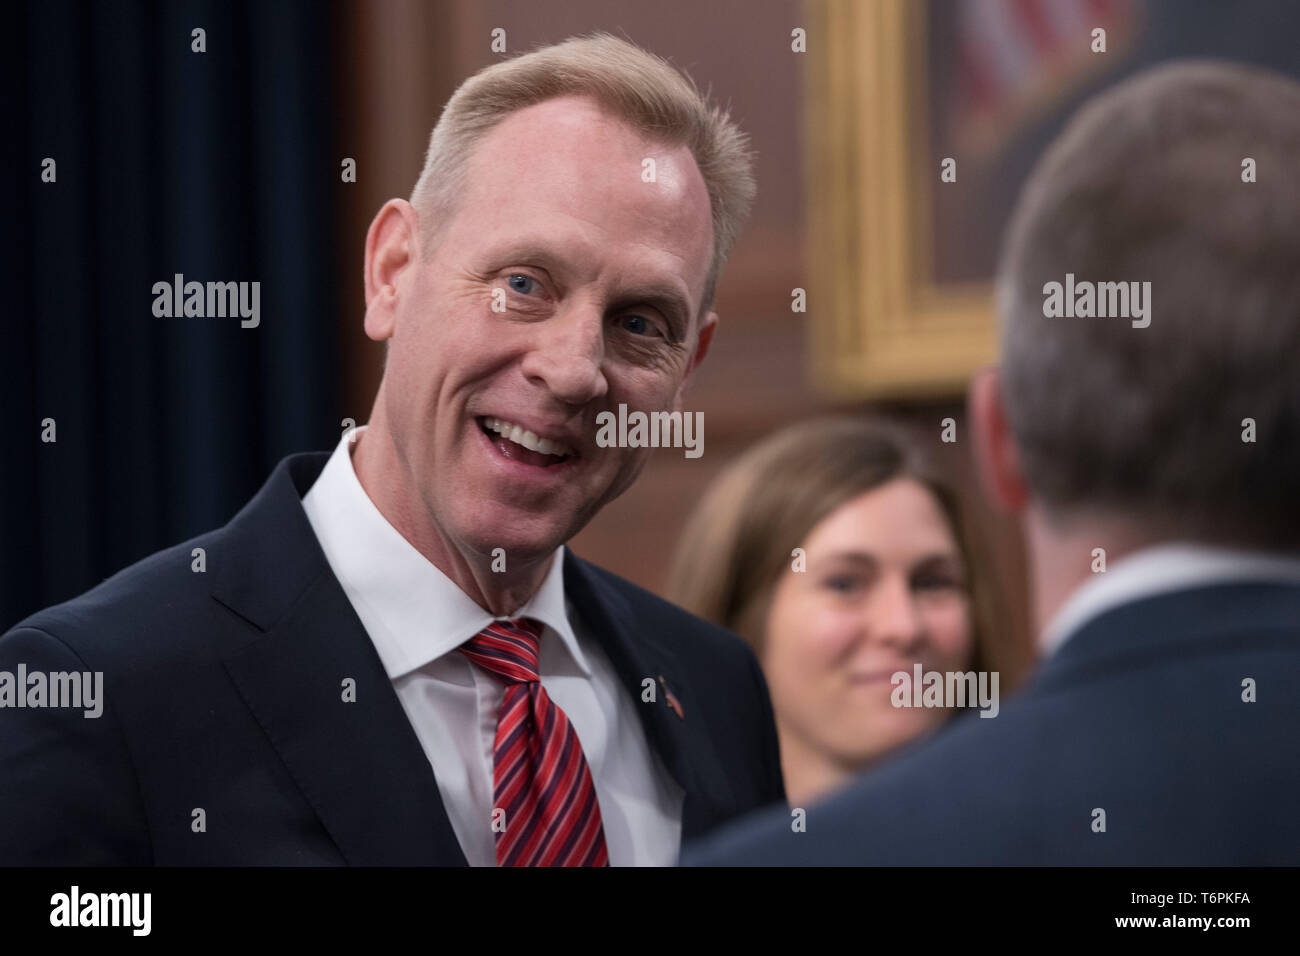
898	93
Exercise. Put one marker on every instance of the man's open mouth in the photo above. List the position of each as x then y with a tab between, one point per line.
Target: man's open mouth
519	444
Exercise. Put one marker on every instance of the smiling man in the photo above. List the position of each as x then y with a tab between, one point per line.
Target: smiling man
390	656
550	283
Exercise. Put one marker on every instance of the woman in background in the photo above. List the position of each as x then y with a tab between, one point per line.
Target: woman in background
885	583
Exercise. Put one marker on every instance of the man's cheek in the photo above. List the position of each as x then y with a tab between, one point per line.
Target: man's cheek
635	459
624	465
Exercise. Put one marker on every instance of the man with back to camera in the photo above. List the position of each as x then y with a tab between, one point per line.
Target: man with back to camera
1161	727
391	658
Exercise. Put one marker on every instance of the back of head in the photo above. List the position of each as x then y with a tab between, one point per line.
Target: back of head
1149	183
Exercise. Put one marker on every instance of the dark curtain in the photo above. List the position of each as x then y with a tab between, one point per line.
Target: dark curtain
218	165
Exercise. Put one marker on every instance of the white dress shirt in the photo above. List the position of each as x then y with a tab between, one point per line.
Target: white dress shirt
1163	569
416	617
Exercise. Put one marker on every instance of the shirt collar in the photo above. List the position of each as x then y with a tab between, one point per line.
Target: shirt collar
1162	569
412	611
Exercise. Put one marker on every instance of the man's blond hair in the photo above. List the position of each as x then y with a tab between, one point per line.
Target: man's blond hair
639	88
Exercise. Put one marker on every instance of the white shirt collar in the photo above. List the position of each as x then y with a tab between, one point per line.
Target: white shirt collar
413	612
1163	569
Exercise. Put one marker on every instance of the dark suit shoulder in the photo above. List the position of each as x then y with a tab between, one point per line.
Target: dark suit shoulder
150	609
181	601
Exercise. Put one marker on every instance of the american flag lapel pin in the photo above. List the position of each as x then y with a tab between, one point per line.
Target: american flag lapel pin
672	700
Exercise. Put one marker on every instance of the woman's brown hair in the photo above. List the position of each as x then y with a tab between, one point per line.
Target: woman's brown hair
741	535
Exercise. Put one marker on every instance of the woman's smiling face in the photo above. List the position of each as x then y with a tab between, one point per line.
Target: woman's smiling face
884	589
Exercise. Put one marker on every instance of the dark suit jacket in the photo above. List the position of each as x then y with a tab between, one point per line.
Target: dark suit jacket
223	692
1140	714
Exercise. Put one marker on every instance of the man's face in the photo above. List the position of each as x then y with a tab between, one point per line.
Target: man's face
599	277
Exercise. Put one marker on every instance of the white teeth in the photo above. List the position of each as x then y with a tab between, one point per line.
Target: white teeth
521	436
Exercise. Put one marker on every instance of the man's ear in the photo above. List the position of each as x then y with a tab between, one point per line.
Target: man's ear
707	327
997	459
392	247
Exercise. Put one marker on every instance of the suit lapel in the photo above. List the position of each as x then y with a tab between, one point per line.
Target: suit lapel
638	653
358	763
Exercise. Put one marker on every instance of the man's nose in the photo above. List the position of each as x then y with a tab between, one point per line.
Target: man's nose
895	618
568	355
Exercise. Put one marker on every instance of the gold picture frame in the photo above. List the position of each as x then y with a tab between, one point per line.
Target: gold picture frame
880	327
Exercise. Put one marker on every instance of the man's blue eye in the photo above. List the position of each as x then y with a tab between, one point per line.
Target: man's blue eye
638	324
521	283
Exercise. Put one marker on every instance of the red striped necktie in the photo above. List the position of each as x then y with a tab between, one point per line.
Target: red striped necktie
540	777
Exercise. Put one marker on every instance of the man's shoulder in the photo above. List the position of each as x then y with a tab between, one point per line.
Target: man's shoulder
151	601
164	605
976	791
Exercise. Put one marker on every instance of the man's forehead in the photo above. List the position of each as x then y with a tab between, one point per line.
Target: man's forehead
570	156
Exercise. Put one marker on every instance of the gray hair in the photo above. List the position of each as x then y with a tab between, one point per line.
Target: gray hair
638	87
1146	184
